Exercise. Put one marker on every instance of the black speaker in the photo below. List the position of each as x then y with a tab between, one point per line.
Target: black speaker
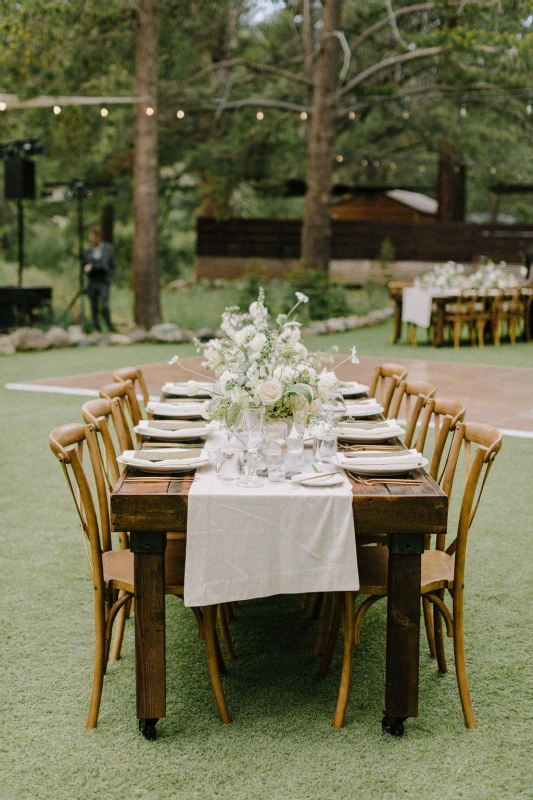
19	178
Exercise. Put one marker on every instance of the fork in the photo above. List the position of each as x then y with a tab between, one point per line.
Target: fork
397	481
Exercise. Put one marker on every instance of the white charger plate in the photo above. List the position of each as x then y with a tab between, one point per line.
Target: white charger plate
363	409
353	388
383	469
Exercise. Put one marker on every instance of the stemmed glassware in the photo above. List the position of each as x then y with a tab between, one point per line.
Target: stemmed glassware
333	410
249	429
300	409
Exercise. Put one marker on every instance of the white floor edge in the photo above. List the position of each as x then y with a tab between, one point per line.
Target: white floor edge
41	387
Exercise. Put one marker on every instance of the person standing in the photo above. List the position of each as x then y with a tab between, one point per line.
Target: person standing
100	270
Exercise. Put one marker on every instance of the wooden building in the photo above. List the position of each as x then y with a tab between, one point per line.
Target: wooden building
395	205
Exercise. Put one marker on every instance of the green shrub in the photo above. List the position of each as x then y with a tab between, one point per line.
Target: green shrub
255	277
326	299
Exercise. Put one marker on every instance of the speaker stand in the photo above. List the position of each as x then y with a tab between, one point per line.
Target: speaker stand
20	238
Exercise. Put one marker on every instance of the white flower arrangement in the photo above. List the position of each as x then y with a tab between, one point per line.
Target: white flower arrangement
258	364
452	276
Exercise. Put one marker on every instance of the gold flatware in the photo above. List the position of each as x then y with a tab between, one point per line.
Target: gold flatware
397	481
372	448
163	478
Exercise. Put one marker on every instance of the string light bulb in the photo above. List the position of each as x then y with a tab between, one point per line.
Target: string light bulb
339	158
364	162
493	170
463	112
405	114
57	110
149	111
104	112
180	114
303	115
351	114
260	115
529	108
3	106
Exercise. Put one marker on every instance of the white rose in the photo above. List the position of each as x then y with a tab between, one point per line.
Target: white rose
327	379
258	342
192	387
269	392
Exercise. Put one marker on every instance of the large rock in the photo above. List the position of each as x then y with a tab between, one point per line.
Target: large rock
166	332
119	338
29	339
336	325
78	337
58	337
318	326
138	335
7	348
205	333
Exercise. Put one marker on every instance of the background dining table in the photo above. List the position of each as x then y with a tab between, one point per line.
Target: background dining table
148	508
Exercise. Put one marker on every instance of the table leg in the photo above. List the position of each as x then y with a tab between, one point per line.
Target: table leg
150	667
397	326
403	631
439	325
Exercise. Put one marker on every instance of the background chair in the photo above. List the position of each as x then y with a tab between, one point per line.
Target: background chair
135	375
413	395
128	402
384	381
112	570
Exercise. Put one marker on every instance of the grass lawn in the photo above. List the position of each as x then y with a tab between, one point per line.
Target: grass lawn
281	745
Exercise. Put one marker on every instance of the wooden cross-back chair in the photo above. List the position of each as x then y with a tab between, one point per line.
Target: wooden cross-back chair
443	568
444	415
135	375
414	395
125	391
463	312
106	416
385	379
112	570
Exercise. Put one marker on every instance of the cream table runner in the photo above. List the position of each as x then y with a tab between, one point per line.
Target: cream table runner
281	539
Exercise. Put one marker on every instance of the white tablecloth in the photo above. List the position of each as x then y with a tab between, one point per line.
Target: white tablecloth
281	539
417	306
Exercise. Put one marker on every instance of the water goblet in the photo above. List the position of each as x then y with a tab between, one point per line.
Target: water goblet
300	409
249	429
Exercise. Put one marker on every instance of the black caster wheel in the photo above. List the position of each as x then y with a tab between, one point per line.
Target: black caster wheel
147	728
393	726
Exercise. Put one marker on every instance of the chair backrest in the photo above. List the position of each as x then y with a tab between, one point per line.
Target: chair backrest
415	395
105	416
445	416
135	375
487	442
128	399
384	381
66	443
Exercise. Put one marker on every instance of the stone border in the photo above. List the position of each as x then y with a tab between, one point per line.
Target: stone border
24	339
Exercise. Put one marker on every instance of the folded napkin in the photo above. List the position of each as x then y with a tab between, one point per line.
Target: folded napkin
176	410
174	425
363	408
129	457
191	389
380	459
178	429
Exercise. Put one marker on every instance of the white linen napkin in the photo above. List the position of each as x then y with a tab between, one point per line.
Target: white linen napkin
176	410
380	459
129	457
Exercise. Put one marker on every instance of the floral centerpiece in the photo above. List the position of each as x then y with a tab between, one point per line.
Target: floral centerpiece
452	276
492	276
445	276
259	363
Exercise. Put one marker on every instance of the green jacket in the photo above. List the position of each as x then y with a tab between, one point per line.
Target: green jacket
104	267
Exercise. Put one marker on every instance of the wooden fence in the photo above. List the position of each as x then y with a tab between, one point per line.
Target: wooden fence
226	248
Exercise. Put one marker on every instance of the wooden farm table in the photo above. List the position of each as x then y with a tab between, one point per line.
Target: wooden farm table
150	508
441	301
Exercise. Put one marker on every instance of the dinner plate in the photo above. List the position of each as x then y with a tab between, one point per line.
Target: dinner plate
193	430
184	389
166	466
313	479
386	468
176	410
353	389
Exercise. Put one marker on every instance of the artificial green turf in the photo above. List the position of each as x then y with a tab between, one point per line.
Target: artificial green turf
281	745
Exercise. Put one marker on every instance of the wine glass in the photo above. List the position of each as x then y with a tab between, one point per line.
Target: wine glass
333	410
300	409
249	429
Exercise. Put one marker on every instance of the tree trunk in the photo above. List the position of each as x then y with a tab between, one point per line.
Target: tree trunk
451	187
316	229
145	273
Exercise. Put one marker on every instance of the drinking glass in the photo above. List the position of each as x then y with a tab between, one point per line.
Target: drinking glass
250	431
228	464
274	460
295	455
300	409
324	446
333	410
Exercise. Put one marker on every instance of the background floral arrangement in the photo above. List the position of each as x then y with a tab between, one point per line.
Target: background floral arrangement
452	276
262	364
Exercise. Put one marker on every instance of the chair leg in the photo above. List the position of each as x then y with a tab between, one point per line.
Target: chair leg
361	611
209	614
460	662
224	632
304	602
438	634
119	630
346	599
497	333
317	605
428	621
329	647
481	332
324	624
230	612
457	334
199	621
98	672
